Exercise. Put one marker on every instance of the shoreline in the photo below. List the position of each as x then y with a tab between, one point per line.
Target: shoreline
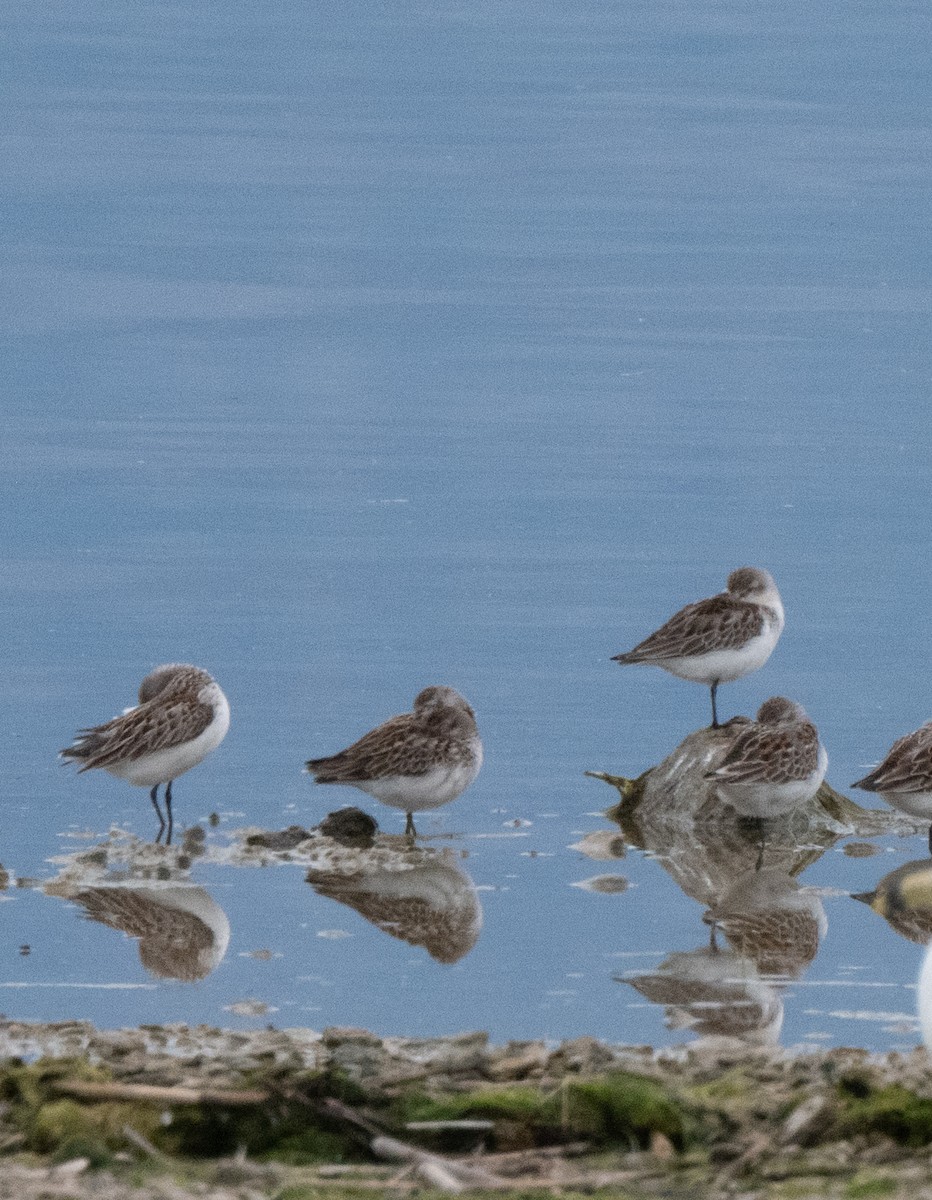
286	1114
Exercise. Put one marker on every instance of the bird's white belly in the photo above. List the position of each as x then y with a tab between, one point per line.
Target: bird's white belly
916	804
162	765
725	665
762	799
417	793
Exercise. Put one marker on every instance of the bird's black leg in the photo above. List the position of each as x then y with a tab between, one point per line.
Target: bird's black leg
410	831
762	830
168	809
713	944
715	724
154	797
930	839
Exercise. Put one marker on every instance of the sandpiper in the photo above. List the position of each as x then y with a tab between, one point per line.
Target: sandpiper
416	761
181	716
904	778
773	764
719	639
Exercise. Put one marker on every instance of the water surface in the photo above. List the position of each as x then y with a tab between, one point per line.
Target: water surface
347	353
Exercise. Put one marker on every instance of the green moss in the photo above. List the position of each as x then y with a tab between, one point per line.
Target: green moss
891	1110
63	1121
619	1108
623	1108
864	1188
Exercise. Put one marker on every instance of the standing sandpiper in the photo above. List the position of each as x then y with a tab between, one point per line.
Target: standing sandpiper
416	761
904	778
719	639
181	716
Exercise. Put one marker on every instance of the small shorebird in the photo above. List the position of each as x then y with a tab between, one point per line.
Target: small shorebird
181	716
719	639
904	778
416	761
773	764
904	899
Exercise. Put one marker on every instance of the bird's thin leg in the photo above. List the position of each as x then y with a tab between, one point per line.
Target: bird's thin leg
154	797
930	839
713	944
715	724
762	829
168	809
410	831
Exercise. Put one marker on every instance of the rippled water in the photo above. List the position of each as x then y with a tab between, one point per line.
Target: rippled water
350	352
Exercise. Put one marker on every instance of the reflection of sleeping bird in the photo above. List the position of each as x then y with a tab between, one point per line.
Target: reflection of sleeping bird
419	896
769	918
183	933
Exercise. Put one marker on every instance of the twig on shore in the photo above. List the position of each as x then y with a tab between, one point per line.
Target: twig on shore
86	1090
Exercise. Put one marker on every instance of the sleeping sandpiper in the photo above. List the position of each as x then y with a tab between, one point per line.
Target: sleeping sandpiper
416	761
181	716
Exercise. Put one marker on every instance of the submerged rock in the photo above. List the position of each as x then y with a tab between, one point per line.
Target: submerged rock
675	812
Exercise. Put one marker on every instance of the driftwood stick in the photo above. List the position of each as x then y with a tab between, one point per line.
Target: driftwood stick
142	1143
439	1166
86	1090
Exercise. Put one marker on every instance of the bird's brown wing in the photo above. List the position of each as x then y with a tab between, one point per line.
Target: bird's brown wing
772	754
906	768
719	623
399	746
142	730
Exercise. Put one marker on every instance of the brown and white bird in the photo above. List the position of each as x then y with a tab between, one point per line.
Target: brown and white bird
181	716
774	764
719	639
416	761
904	778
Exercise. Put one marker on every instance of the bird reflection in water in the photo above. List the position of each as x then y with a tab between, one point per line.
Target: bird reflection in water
765	928
715	994
770	919
182	933
674	813
420	895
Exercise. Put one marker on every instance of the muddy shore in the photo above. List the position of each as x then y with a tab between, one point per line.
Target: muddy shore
289	1114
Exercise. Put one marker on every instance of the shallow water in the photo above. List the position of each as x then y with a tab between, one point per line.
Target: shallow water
347	354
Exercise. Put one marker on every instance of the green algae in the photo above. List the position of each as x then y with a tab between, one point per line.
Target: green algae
891	1110
620	1108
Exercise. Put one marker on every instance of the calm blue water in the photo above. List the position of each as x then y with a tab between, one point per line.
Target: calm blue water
351	351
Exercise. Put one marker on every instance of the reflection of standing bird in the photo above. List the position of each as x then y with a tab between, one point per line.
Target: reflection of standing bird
415	761
774	764
182	715
183	934
715	994
719	639
904	778
422	897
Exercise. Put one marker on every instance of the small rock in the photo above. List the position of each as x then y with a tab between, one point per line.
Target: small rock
860	850
72	1168
606	884
660	1146
350	827
285	839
